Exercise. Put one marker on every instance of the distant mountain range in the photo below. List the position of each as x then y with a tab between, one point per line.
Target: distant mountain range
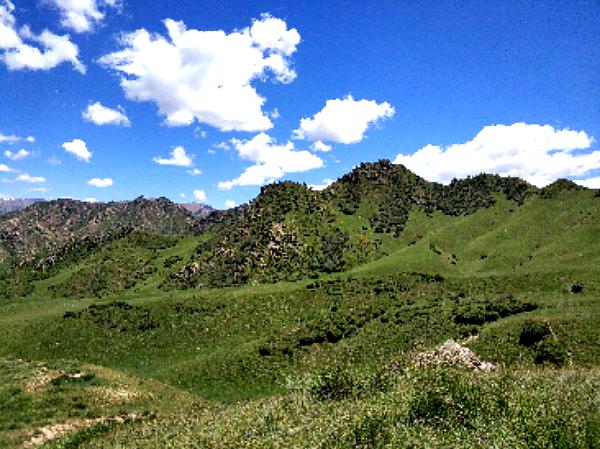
15	205
288	232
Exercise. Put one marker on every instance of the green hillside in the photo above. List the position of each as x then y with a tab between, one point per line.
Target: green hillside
310	319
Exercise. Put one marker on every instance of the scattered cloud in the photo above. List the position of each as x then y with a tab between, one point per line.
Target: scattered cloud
343	120
200	133
101	115
200	195
5	197
537	153
195	172
12	138
5	168
81	15
178	158
24	177
320	146
17	155
326	183
43	52
182	195
223	146
90	200
79	148
53	160
39	189
206	75
271	161
590	183
230	204
100	182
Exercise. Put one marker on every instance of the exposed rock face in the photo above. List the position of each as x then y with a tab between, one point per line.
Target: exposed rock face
450	353
198	209
47	229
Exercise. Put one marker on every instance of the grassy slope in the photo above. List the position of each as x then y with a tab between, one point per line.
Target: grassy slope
208	342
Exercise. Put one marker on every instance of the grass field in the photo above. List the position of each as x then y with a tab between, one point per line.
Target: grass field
328	361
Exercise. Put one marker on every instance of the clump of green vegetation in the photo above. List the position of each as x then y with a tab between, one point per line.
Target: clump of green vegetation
534	331
491	309
116	316
551	350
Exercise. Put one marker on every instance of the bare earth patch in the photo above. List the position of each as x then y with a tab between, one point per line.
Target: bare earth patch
49	433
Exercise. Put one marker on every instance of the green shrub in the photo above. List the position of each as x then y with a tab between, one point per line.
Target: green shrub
551	350
533	332
333	384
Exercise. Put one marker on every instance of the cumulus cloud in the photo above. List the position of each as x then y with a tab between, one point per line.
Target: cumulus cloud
537	153
101	115
100	182
5	168
320	146
31	179
17	155
206	75
81	15
195	172
343	120
43	52
200	195
79	148
271	161
11	139
229	204
178	158
590	183
326	183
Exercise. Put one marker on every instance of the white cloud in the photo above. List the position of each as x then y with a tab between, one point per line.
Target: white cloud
90	200
53	160
31	179
537	153
101	115
182	195
44	52
195	172
272	161
100	182
79	148
590	183
17	155
200	195
229	204
343	120
326	183
5	168
81	15
11	139
200	133
178	158
5	197
39	189
320	146
206	75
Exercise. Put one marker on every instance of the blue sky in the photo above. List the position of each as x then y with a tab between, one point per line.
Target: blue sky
447	88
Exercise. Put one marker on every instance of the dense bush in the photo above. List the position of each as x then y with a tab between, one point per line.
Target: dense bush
490	309
533	332
551	350
116	316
